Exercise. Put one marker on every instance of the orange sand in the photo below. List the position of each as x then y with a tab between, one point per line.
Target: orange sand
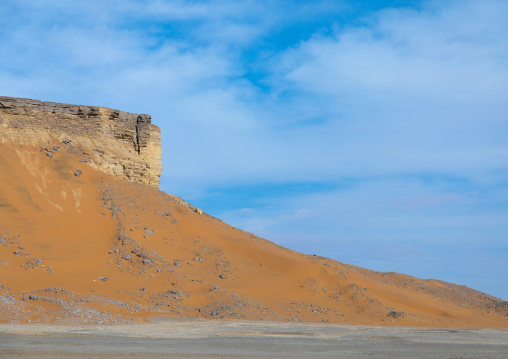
62	232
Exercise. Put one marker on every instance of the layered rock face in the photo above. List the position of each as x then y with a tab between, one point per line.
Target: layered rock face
124	144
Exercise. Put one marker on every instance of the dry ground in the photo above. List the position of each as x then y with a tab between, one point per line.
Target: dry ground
242	339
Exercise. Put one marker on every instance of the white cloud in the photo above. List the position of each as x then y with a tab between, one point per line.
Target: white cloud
411	91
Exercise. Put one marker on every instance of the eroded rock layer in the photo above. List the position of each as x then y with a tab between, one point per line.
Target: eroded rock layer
124	144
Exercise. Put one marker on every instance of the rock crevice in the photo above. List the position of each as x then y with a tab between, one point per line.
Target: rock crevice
130	145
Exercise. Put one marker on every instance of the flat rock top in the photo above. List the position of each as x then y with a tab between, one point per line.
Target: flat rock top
7	103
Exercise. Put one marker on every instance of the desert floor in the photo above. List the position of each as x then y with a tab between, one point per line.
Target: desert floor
247	339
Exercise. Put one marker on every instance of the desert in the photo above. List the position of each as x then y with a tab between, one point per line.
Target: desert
86	239
253	179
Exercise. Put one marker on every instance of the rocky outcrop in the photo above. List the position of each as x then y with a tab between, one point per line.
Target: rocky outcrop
124	144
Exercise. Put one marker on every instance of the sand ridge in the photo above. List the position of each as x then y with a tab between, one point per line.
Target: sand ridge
93	248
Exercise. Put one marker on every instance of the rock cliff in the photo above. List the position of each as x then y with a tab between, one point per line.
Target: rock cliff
124	144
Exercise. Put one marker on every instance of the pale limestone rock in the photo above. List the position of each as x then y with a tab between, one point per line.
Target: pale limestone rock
119	143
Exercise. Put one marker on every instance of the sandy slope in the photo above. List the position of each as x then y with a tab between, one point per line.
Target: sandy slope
94	248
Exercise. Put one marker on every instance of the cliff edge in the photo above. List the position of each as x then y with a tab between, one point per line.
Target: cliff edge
124	144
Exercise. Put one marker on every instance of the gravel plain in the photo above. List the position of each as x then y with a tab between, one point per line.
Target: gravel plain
243	339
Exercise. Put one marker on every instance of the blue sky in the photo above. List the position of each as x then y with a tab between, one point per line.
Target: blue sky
371	132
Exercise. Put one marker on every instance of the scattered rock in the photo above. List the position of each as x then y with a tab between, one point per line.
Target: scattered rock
163	213
198	211
103	278
100	150
126	257
49	154
77	173
143	289
149	232
395	314
66	141
222	276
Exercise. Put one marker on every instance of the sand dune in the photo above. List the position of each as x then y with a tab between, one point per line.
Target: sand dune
94	248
